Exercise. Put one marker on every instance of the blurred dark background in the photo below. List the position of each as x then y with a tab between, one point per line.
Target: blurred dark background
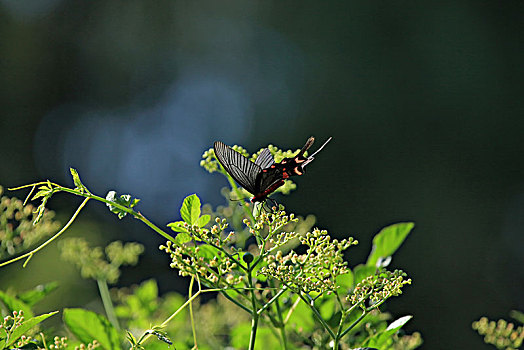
423	100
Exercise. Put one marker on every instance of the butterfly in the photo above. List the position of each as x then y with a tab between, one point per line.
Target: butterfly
263	176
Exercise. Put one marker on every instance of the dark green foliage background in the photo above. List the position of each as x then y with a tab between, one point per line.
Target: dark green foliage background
423	100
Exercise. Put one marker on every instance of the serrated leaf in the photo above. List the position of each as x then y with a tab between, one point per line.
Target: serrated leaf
388	240
190	210
32	296
203	220
27	325
125	200
178	226
15	304
88	326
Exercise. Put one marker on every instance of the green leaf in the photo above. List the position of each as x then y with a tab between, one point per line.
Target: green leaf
147	291
362	271
76	179
32	296
345	281
302	319
190	210
388	240
14	304
183	237
88	326
131	338
208	252
44	191
399	323
125	200
383	338
326	306
203	220
178	226
27	325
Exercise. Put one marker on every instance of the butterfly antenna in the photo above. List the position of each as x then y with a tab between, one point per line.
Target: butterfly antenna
320	149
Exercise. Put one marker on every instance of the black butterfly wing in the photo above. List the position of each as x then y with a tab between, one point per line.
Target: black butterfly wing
264	159
244	171
268	179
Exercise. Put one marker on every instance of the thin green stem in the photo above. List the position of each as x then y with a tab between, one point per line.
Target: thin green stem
195	346
155	228
87	196
237	303
147	334
254	314
130	211
281	324
108	304
266	305
309	301
292	309
263	246
357	321
366	311
30	254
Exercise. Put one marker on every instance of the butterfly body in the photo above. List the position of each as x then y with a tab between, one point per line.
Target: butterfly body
264	176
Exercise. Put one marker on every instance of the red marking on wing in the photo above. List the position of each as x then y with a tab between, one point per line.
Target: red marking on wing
262	196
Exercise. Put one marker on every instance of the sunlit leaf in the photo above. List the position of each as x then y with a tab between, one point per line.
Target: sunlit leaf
32	296
388	240
88	326
14	304
203	220
183	237
178	226
26	326
190	210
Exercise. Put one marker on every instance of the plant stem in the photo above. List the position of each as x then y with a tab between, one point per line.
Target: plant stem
108	304
254	314
309	301
30	254
282	325
195	346
237	303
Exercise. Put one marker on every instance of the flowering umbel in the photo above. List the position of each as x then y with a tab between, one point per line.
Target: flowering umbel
317	269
